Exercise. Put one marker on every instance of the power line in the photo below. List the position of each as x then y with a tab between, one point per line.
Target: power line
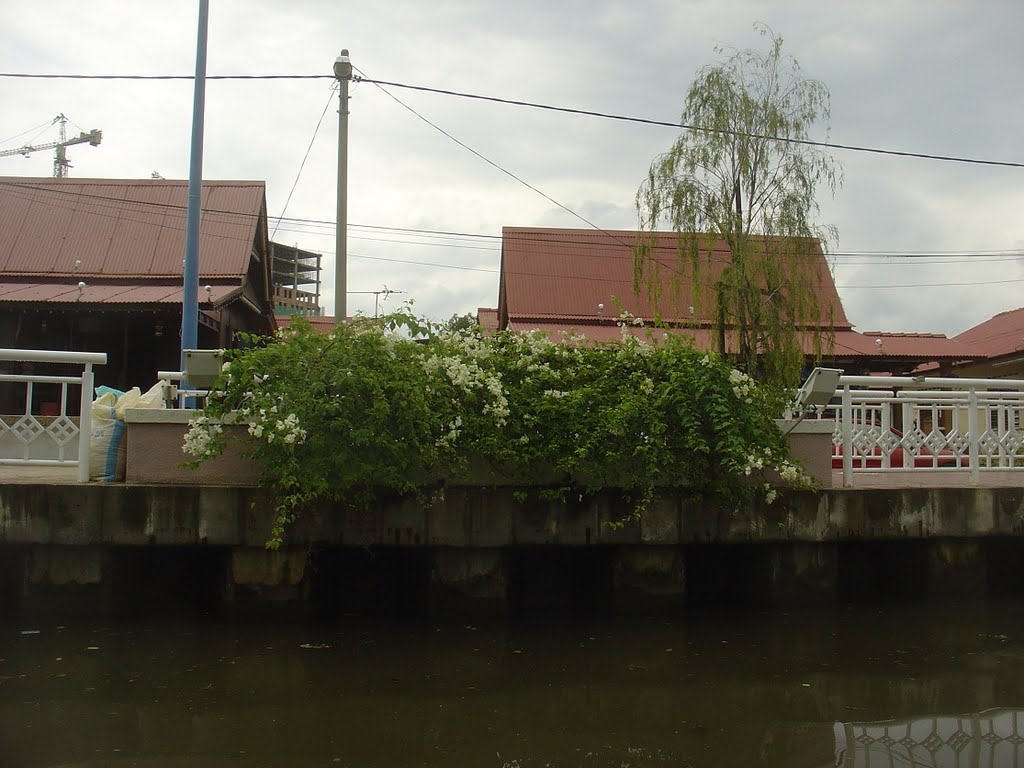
330	98
39	128
619	281
116	204
567	209
934	285
487	160
116	208
79	76
686	127
541	106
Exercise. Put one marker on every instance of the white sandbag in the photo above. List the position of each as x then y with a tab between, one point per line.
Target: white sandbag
108	444
107	441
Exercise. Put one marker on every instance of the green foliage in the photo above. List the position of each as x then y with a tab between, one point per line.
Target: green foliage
398	404
466	322
736	175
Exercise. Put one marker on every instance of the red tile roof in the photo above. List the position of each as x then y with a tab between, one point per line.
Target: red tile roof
93	228
1000	335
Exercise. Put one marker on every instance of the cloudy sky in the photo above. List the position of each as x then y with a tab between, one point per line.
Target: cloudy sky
935	76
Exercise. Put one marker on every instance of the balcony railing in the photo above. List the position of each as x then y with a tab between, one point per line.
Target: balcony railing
40	429
903	424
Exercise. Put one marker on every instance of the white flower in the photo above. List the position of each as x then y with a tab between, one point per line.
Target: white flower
201	437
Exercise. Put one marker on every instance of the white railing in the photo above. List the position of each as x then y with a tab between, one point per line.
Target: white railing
174	395
887	424
31	437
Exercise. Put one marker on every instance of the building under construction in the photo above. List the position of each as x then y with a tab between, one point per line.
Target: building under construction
296	280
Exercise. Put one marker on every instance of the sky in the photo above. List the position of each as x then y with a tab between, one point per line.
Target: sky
933	77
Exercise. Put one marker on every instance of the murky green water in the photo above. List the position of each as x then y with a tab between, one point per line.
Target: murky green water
706	691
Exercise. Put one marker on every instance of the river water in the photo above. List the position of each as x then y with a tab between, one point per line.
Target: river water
706	690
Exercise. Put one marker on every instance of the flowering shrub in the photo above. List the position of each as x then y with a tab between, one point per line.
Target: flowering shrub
399	404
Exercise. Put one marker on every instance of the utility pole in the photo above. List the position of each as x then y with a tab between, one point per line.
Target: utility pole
190	286
343	73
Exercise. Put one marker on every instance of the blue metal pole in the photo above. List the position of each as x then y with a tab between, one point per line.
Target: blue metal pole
190	294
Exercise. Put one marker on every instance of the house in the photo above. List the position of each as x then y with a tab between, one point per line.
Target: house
96	265
578	280
1001	340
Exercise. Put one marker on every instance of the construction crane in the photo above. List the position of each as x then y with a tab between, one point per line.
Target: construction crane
60	159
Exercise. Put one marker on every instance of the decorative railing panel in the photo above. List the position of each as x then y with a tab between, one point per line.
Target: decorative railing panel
885	424
48	414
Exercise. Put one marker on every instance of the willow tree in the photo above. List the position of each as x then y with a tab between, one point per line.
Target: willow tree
741	174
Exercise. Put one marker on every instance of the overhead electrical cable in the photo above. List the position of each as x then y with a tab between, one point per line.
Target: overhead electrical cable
540	106
614	280
117	205
81	76
284	210
39	129
487	160
684	126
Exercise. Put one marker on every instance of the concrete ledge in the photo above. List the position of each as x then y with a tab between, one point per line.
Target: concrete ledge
158	415
810	443
154	445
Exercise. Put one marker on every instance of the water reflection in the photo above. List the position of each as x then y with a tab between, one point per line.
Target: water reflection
990	739
705	691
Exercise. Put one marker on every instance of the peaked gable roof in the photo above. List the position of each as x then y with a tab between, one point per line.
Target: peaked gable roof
1002	334
575	280
565	275
113	228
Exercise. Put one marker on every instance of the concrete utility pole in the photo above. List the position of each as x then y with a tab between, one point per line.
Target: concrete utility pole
343	72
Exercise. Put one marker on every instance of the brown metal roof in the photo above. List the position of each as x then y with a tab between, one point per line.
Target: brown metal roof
122	293
321	323
845	343
1000	335
487	318
908	346
94	228
565	274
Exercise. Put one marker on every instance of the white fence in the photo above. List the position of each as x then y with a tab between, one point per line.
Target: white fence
902	424
40	431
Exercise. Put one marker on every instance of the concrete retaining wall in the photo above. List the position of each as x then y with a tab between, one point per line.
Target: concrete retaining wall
142	515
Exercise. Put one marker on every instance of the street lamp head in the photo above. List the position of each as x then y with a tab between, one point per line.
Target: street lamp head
343	66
